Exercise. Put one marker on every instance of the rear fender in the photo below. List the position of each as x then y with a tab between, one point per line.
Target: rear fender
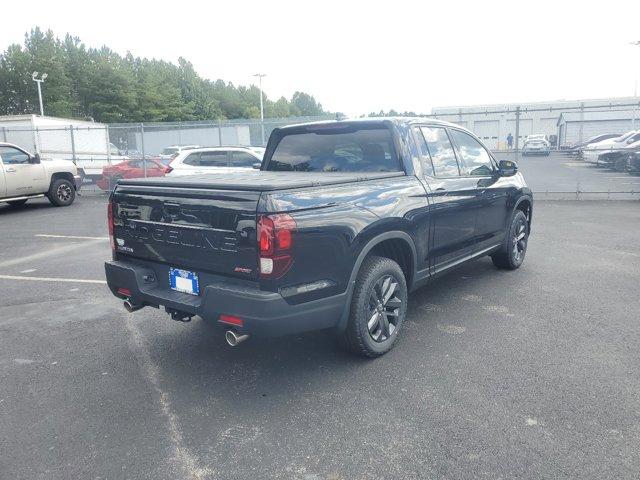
342	324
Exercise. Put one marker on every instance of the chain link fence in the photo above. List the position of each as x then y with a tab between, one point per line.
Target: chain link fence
555	146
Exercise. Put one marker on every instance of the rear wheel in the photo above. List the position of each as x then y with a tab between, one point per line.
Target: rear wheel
378	308
18	203
511	254
61	193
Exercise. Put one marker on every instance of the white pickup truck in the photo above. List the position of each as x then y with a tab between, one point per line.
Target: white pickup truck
24	176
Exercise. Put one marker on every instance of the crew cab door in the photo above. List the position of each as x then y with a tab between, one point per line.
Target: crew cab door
477	164
21	176
453	198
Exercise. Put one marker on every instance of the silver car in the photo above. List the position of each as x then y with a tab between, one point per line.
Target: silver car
536	145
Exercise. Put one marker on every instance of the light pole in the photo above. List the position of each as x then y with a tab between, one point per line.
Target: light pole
260	75
39	81
635	88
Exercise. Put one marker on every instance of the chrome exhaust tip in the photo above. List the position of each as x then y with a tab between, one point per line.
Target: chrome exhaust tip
233	339
130	307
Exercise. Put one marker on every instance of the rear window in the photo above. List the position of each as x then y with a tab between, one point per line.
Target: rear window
340	149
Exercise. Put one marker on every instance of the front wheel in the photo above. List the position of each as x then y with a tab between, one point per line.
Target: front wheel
62	193
378	308
511	254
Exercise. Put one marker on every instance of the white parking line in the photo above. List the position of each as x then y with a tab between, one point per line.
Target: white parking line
43	235
50	279
45	253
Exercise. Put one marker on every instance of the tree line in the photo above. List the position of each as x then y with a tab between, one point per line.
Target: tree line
100	84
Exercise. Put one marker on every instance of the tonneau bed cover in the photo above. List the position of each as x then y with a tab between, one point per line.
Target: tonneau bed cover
256	180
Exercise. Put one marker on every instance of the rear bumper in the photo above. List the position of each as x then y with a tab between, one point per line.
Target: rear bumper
77	180
264	314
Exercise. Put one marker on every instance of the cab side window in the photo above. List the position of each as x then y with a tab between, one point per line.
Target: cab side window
13	156
423	151
474	158
443	156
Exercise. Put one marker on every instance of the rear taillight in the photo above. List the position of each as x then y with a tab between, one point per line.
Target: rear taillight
110	222
275	240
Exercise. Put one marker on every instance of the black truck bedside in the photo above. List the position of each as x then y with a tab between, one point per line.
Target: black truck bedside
341	222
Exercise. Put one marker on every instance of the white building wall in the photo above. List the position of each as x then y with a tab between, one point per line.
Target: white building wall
593	128
493	128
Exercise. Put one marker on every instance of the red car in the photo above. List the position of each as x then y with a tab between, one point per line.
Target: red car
131	169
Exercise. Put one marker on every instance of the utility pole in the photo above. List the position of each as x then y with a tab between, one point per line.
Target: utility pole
635	87
260	75
39	81
517	142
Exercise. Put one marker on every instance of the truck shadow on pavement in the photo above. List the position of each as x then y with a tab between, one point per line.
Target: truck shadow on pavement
199	361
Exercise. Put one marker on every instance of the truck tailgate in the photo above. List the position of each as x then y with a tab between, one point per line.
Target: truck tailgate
201	230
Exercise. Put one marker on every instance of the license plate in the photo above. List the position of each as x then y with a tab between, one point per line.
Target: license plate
184	281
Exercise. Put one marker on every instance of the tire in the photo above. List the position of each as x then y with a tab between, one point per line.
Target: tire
620	165
511	254
18	203
62	193
375	323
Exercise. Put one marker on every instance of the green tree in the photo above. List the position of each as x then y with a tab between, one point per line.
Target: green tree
107	87
305	104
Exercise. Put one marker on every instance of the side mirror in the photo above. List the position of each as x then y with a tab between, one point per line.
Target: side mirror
507	168
257	165
35	158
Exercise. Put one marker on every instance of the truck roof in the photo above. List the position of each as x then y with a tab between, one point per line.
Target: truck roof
403	121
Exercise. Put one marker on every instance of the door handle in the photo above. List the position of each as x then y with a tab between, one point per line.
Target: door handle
441	189
10	169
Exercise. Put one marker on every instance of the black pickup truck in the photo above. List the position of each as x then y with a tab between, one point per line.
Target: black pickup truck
340	223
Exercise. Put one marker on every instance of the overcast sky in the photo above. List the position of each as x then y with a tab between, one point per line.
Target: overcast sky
358	57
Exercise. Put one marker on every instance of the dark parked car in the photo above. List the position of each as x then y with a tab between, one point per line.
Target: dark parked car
618	160
342	222
634	163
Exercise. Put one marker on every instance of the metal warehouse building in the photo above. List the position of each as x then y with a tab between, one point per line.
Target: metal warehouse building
576	126
492	123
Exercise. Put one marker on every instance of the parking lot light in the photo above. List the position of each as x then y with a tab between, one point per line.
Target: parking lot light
260	75
40	80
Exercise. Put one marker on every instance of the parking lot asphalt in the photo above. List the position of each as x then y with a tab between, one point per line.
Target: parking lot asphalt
524	374
560	177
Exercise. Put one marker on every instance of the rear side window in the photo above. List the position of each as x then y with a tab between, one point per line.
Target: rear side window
474	158
243	159
423	150
192	159
443	156
339	149
213	159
